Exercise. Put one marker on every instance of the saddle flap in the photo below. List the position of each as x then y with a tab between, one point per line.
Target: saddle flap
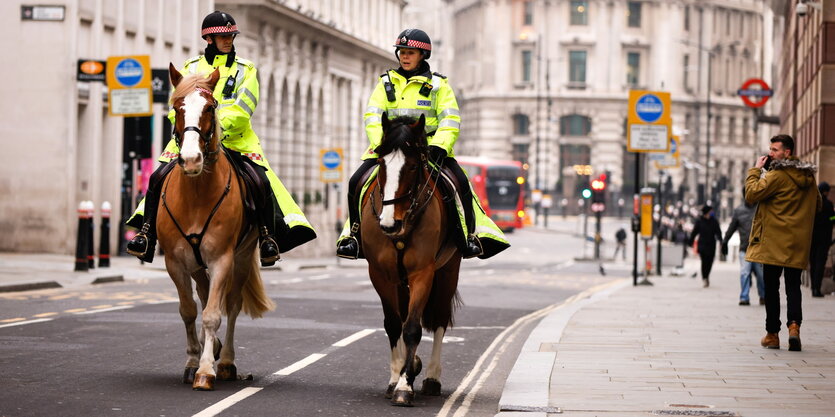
255	188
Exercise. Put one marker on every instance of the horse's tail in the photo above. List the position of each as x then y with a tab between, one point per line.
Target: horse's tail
255	299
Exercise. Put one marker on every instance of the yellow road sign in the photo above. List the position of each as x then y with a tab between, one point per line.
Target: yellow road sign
671	159
648	121
129	85
330	169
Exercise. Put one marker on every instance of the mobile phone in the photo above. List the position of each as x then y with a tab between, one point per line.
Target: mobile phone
768	160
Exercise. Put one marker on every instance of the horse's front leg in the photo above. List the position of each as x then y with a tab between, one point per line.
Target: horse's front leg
188	312
420	284
220	272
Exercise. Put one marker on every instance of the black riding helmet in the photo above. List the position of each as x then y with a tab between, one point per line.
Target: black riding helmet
218	23
414	39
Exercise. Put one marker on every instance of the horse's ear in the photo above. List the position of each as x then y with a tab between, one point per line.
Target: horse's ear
213	77
385	122
175	75
420	125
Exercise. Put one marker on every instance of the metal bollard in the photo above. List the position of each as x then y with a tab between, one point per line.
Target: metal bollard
104	237
91	257
81	240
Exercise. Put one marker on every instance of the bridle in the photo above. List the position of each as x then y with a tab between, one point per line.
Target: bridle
419	194
210	156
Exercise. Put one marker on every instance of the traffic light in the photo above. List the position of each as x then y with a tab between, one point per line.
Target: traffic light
598	187
586	193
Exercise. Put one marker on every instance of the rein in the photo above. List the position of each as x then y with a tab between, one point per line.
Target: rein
195	239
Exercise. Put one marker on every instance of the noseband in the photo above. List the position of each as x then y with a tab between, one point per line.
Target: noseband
420	188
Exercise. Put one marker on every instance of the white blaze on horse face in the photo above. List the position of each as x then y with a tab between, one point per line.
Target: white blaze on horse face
394	163
193	105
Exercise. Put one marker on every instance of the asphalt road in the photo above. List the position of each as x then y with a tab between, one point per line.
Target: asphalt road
119	349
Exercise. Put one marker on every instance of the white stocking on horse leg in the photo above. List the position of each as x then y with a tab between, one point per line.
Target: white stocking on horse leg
432	383
398	359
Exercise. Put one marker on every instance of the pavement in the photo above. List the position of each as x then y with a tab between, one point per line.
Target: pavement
673	348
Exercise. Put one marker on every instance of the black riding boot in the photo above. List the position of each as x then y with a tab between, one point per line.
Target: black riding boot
144	244
349	247
472	247
269	216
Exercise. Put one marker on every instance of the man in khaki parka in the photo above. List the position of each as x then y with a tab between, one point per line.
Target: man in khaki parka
781	232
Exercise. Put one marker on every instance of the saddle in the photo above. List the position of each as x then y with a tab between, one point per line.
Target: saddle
257	193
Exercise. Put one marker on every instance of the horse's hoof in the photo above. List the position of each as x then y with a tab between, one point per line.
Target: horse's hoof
417	364
431	386
217	346
390	390
227	372
188	375
203	383
403	398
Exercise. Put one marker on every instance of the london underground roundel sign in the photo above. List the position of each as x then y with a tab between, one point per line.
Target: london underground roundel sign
649	108
755	92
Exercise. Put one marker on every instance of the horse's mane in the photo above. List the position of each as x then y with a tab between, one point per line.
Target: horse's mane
399	136
188	84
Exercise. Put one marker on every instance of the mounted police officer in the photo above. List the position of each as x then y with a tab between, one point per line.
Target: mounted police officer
237	94
411	90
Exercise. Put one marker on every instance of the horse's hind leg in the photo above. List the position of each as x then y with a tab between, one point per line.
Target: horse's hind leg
188	312
438	317
226	368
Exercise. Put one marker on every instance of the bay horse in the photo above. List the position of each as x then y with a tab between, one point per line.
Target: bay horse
205	236
412	262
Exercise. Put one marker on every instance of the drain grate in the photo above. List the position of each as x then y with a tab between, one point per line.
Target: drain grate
703	413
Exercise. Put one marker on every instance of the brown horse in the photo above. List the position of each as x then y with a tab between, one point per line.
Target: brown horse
412	262
205	236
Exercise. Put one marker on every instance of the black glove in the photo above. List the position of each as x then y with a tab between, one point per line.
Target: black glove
437	154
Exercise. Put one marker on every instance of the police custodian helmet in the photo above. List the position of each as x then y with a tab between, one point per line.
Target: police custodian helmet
414	39
218	23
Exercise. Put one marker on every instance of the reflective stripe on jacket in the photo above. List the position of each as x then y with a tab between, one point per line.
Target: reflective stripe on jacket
439	106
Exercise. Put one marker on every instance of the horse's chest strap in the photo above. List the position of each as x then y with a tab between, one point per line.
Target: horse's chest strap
195	239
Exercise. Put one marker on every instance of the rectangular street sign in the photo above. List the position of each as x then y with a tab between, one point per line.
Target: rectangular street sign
129	85
649	121
671	159
130	101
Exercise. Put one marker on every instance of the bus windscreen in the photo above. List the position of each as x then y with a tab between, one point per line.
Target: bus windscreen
502	187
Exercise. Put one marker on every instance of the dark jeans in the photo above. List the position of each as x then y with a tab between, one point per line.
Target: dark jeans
707	257
794	311
817	261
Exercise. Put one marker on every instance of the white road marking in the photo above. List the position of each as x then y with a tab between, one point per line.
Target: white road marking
353	338
227	402
319	277
300	364
20	323
101	310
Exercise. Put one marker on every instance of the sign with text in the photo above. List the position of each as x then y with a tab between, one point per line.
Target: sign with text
648	121
129	85
331	168
90	70
670	159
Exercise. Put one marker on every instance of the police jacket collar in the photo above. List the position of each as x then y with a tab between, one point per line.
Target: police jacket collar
211	52
422	70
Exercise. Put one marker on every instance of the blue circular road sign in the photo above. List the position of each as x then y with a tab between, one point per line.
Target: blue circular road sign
331	159
129	72
649	108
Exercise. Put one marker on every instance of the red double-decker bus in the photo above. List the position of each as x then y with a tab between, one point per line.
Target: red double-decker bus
499	186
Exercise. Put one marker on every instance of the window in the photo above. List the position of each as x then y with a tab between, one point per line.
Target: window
579	12
633	69
571	155
577	67
575	125
686	76
521	152
687	18
528	20
520	124
526	66
731	130
717	129
633	14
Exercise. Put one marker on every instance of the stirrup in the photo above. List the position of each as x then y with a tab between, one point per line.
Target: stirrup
477	242
344	243
144	250
269	259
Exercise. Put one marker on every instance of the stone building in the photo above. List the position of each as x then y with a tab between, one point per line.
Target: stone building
317	59
546	82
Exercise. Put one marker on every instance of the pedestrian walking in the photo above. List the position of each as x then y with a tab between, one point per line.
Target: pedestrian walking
708	232
781	232
821	239
741	222
620	238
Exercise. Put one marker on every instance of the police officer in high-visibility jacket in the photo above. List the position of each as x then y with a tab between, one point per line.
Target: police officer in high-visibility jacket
237	94
414	90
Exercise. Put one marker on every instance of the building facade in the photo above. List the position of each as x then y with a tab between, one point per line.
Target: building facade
546	82
318	61
806	76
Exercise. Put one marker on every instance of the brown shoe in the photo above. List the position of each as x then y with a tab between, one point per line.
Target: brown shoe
771	341
794	337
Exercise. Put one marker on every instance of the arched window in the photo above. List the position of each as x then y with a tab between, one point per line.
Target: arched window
521	124
575	125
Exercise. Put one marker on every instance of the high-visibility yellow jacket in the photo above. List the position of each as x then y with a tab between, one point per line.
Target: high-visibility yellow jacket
235	110
439	105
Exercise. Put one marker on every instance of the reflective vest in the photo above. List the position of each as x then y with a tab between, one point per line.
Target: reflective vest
234	110
430	96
